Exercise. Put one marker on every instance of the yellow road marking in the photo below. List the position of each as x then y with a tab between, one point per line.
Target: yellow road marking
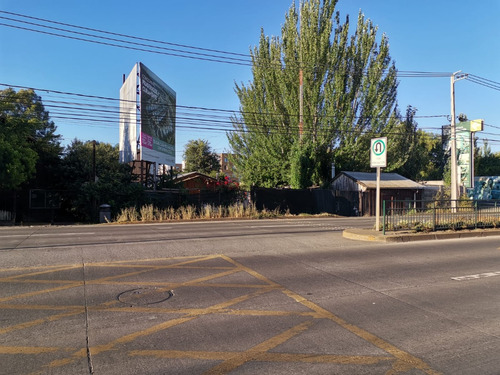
32	323
24	275
239	359
32	294
367	336
265	357
27	349
402	361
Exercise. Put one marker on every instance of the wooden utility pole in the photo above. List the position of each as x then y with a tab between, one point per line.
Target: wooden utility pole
301	104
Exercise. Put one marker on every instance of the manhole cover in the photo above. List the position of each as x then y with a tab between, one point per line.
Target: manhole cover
144	296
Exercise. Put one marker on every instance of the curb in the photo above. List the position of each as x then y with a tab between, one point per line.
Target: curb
374	236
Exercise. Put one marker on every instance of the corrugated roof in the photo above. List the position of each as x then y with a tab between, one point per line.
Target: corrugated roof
387	180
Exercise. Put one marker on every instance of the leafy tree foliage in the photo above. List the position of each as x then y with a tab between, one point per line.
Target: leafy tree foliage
111	184
487	163
349	96
29	145
199	157
424	157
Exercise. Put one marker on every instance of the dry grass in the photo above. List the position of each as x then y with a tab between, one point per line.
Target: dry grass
149	213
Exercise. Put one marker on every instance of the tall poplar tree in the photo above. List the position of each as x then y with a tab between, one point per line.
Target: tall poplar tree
349	96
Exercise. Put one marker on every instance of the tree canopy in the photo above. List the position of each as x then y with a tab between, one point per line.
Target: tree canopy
111	184
487	163
349	96
198	156
29	145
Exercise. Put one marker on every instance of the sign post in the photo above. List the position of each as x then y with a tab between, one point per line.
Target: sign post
378	159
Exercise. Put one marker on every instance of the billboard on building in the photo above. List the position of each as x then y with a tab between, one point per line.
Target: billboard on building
156	108
128	118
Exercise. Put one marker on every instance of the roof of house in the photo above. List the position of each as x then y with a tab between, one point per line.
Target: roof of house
191	175
387	180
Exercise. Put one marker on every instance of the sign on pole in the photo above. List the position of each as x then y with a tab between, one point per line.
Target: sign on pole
378	152
378	159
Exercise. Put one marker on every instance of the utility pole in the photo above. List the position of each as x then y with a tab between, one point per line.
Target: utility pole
454	175
94	174
301	104
301	80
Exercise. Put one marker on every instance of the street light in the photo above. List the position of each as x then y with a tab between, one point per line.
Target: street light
454	175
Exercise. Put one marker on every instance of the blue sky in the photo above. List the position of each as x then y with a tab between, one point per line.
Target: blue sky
429	36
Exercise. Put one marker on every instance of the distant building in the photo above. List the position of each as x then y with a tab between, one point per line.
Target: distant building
226	167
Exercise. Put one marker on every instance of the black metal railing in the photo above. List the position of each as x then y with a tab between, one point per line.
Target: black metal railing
440	215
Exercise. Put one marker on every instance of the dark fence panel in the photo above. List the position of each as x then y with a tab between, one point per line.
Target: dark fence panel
176	198
297	201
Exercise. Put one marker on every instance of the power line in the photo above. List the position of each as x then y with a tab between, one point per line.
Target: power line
220	57
127	36
106	118
194	108
483	82
226	60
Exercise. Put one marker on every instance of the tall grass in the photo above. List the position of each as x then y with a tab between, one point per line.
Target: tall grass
149	213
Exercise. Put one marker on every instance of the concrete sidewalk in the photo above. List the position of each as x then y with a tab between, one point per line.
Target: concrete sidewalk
407	236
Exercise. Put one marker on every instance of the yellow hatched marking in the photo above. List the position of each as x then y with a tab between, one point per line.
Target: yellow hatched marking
159	327
28	349
367	336
241	358
39	292
32	274
402	361
40	307
265	357
33	323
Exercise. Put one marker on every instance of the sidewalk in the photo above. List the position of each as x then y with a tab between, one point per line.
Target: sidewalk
372	235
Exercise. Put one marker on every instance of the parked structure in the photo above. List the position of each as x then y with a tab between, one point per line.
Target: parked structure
360	189
194	182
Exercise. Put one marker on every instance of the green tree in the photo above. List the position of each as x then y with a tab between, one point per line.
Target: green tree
29	145
349	96
487	163
431	157
424	157
199	157
111	184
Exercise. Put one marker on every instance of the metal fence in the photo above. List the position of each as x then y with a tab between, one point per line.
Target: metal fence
440	215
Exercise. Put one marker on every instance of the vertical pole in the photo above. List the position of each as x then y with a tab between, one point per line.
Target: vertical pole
377	202
472	162
94	169
94	175
454	185
383	220
301	104
434	216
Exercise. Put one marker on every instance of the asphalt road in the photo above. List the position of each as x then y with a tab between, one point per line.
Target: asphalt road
245	297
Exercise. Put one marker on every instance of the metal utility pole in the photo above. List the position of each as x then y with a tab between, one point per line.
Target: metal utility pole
453	137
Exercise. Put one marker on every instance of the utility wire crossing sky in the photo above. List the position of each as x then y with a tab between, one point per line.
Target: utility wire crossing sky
82	96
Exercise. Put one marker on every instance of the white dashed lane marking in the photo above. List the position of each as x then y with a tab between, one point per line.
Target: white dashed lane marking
477	276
